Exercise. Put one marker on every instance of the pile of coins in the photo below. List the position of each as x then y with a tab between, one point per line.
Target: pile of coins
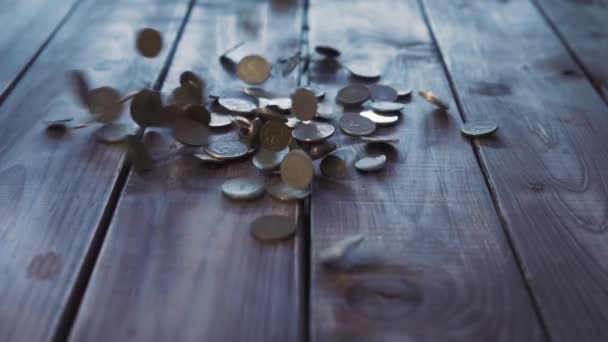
282	134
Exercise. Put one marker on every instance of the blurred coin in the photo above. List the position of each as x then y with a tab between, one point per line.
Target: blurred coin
224	56
313	132
128	97
275	136
381	139
187	94
364	69
292	122
336	251
144	107
113	132
434	100
380	92
371	163
348	154
253	69
105	104
327	51
320	94
353	95
380	120
227	150
291	63
387	107
219	120
403	91
253	136
80	86
304	104
237	101
207	159
333	166
190	78
266	160
355	124
297	169
243	189
190	132
478	128
321	150
149	42
138	154
283	192
198	113
326	111
273	227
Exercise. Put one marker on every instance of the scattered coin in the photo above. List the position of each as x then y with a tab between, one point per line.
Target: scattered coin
403	91
371	163
353	95
253	69
224	56
327	51
198	113
219	120
313	132
187	94
333	166
478	128
273	227
380	92
297	169
387	107
237	101
283	192
80	87
113	132
149	42
321	150
381	139
434	100
138	154
355	124
144	107
275	136
227	150
304	104
380	120
320	94
190	132
266	160
364	69
104	103
335	252
245	189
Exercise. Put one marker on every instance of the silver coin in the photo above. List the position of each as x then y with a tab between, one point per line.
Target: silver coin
320	94
113	132
243	189
364	69
237	101
371	163
353	95
220	120
355	124
273	227
403	91
283	192
190	132
380	120
327	51
313	132
387	107
381	139
227	150
380	92
267	160
281	103
479	128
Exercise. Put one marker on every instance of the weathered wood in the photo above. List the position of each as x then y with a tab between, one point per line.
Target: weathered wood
443	269
548	160
54	190
179	262
584	28
26	27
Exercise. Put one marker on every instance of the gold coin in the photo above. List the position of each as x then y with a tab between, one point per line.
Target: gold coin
105	104
297	169
190	132
187	94
253	69
304	104
275	136
149	42
273	227
434	100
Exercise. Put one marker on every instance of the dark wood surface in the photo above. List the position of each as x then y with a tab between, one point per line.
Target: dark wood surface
54	190
179	261
547	163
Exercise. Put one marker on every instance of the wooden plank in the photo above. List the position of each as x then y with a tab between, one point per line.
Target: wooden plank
583	27
443	268
179	262
548	161
27	25
54	191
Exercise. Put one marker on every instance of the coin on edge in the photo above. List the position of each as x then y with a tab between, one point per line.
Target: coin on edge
336	251
113	132
327	51
144	107
313	132
478	128
297	169
273	227
227	150
190	132
243	189
387	139
381	92
355	124
275	136
387	107
322	149
253	69
380	120
149	42
304	104
434	100
333	166
283	192
220	120
80	86
266	160
371	163
353	95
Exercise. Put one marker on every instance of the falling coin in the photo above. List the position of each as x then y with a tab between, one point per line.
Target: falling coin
380	92
273	227
138	154
145	104
335	252
237	101
80	86
105	104
321	150
380	120
434	100
355	124
304	104
227	150
327	51
292	122
364	69
187	94
371	163
353	95
320	94
219	121
313	132
149	42
381	139
275	136
266	160
283	192
253	69
245	189
333	166
478	128
297	169
113	132
198	113
190	132
387	107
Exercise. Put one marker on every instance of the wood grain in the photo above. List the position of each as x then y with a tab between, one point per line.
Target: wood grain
179	262
54	189
582	25
435	264
26	26
547	163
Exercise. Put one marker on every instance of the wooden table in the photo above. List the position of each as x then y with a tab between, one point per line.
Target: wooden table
496	239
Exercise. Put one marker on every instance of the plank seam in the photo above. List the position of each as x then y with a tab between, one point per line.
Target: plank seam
476	150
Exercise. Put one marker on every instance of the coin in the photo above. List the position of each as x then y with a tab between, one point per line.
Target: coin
313	132
80	86
320	94
304	104
219	121
321	150
253	69
403	91
355	124
104	102
273	227
187	94
144	107
190	78
205	158
227	150
149	42
371	163
198	113
380	120
243	189
381	139
434	100
281	103
237	101
337	250
275	136
387	107
267	160
297	169
283	192
333	166
138	154
113	132
380	92
353	95
479	128
364	69
327	51
190	132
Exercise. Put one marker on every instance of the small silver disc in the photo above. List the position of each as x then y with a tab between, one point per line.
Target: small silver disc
243	189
